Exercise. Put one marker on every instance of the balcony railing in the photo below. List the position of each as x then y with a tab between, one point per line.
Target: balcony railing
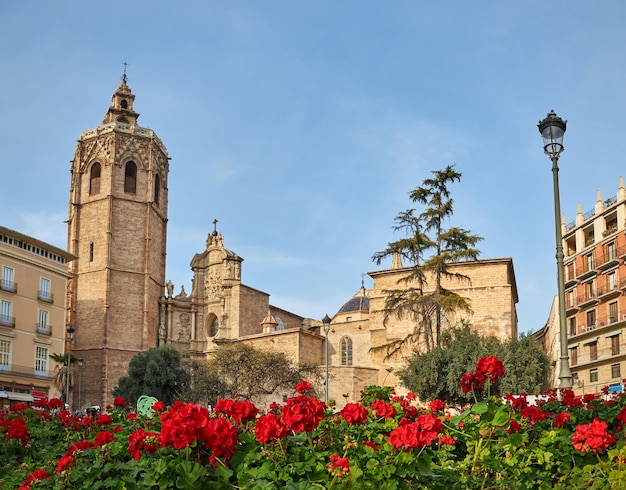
7	321
28	372
44	329
45	296
8	286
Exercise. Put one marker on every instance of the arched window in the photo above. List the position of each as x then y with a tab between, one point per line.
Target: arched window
94	179
124	104
214	327
346	351
157	188
130	178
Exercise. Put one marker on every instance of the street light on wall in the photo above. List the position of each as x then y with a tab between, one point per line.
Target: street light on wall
326	322
80	380
70	338
552	130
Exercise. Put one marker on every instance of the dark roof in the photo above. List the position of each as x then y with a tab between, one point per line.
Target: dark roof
358	303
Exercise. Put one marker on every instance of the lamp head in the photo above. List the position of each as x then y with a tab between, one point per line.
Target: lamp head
552	130
80	362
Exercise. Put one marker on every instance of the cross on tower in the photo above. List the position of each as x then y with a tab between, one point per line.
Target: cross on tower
125	65
215	227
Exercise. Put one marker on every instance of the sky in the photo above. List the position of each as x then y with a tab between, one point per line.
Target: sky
302	126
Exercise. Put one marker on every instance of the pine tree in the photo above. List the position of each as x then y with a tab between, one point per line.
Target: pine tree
428	304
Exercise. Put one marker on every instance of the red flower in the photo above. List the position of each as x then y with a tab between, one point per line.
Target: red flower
490	367
268	427
220	436
18	407
534	414
142	440
383	409
243	412
131	416
472	382
18	430
36	475
437	405
118	401
562	418
225	406
303	387
104	419
158	406
338	466
514	426
64	463
302	413
421	433
354	413
589	397
446	440
103	438
78	446
592	437
370	444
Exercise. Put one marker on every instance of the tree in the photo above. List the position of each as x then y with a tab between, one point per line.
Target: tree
426	232
436	374
243	371
155	372
60	371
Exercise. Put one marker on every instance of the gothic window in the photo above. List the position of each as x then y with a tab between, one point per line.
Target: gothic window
346	351
94	179
214	327
130	178
157	188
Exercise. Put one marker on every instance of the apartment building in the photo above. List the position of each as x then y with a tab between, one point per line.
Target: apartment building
33	290
595	301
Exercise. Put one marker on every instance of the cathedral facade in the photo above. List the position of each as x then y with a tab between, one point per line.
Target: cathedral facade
120	304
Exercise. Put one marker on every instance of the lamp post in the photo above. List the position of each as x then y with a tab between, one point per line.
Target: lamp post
326	322
552	129
80	380
70	338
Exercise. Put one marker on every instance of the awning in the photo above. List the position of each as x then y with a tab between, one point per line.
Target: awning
20	397
4	394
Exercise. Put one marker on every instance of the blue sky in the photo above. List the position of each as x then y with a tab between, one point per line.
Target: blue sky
303	125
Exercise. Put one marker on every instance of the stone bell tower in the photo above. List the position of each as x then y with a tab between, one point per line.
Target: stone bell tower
117	227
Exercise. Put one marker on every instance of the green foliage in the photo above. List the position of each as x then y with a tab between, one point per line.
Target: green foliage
436	374
155	372
241	370
428	304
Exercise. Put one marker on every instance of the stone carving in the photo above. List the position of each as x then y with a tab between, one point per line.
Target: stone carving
213	284
184	332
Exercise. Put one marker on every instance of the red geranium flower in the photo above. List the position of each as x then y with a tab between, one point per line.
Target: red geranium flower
158	406
562	418
102	438
54	403
119	402
490	367
354	413
243	412
18	430
370	444
104	419
421	433
437	405
592	437
472	382
383	409
446	440
338	466
304	387
36	475
302	413
269	427
142	440
514	426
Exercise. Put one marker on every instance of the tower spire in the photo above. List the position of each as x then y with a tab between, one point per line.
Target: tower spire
124	79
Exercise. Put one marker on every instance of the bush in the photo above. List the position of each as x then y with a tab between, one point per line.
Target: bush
384	441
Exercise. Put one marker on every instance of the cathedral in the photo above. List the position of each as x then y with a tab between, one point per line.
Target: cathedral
119	302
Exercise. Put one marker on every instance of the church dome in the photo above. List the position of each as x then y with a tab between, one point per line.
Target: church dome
357	303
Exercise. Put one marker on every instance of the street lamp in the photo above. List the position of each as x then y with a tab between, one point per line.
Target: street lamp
70	338
326	322
80	380
552	129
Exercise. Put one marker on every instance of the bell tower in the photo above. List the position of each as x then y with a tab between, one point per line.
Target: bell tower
117	227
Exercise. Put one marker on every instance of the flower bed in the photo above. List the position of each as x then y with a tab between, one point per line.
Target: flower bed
383	442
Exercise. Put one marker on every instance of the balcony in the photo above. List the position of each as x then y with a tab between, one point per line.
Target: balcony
609	292
44	329
588	300
7	321
9	286
28	372
610	258
587	273
45	296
